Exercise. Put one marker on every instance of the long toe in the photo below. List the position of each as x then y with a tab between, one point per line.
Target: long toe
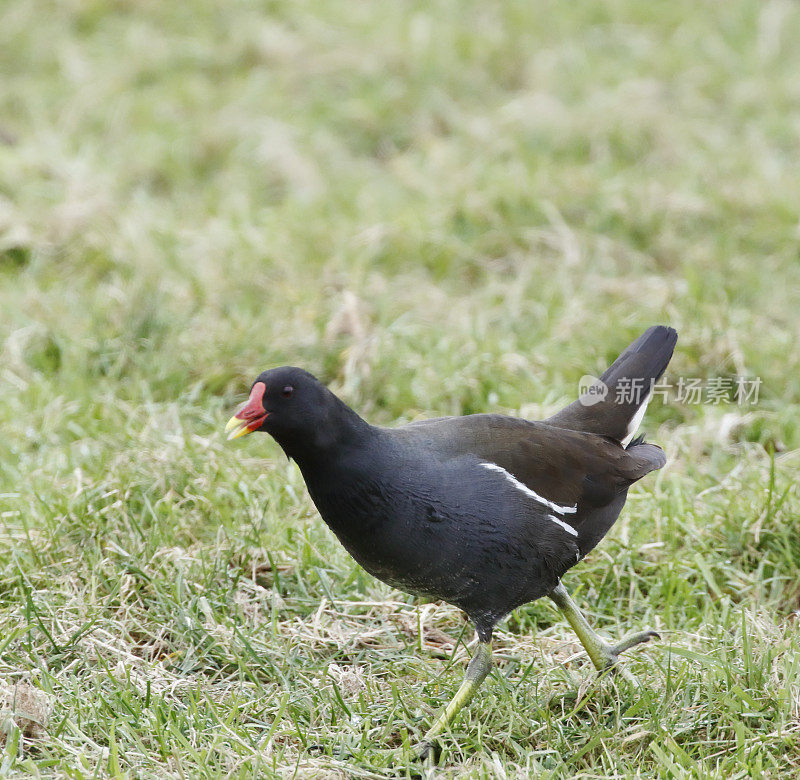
611	653
634	639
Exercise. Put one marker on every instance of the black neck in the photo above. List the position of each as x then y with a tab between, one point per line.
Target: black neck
338	430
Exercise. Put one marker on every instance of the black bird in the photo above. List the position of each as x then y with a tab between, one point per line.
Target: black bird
486	512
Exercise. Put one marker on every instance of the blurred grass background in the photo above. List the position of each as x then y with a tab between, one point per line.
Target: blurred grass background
438	208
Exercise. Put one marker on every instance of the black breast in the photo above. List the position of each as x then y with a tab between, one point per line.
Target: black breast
452	536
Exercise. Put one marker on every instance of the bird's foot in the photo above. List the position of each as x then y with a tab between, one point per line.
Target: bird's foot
604	656
608	655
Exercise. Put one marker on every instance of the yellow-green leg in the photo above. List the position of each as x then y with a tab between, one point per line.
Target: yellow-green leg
603	655
478	668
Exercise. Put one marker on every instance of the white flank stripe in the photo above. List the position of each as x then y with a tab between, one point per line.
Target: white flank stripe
636	420
568	528
563	510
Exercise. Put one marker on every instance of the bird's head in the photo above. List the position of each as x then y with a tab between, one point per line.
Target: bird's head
295	408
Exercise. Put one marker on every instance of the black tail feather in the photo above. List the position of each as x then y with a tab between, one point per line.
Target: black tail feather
628	381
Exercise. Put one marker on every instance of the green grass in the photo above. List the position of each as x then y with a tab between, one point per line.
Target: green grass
439	208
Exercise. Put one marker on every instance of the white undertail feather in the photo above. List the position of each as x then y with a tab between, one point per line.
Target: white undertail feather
563	510
636	420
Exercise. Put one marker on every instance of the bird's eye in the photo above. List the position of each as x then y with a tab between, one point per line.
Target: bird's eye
287	391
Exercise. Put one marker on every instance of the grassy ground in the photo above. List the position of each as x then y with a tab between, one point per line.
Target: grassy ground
439	208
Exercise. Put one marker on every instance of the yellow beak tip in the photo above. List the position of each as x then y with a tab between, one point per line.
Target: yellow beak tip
236	428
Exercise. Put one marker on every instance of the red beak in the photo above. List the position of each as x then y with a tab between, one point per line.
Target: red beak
250	417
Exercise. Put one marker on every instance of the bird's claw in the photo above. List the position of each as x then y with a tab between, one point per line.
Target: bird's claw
610	653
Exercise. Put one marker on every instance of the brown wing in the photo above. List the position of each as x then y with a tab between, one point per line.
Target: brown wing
553	461
568	468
